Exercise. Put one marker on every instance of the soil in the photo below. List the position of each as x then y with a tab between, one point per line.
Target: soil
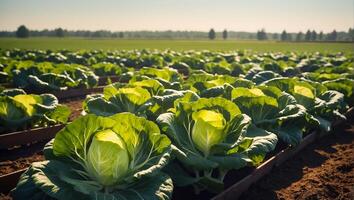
20	158
75	106
9	166
324	170
5	197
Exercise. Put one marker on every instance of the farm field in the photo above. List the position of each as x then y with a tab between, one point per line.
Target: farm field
117	44
176	100
171	124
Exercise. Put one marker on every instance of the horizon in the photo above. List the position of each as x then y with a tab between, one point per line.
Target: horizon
206	31
173	15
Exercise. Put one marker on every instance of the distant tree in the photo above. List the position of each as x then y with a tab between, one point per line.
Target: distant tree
262	35
284	36
320	36
275	36
96	34
299	36
22	32
121	35
212	34
59	32
313	35
87	33
289	37
332	36
251	36
308	35
224	34
351	34
45	32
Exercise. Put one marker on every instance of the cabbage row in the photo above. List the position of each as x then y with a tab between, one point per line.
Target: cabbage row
185	119
19	111
47	71
47	77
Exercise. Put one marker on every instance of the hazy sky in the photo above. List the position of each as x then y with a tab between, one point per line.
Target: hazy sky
238	15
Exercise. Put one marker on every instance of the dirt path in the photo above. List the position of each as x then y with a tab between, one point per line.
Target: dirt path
324	170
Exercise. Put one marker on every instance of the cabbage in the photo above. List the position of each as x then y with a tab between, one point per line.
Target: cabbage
273	111
101	158
18	110
323	106
207	130
107	158
210	135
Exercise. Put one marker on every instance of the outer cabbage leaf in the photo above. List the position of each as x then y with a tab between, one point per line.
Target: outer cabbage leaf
273	111
23	110
209	134
45	180
167	74
166	101
345	86
116	100
323	105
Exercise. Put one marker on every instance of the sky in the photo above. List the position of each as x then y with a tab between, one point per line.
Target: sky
196	15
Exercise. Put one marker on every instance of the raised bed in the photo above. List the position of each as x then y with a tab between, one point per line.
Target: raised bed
9	181
21	158
236	190
18	138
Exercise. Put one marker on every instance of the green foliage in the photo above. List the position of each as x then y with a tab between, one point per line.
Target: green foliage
117	157
48	77
211	135
212	34
19	110
217	111
22	32
273	111
322	105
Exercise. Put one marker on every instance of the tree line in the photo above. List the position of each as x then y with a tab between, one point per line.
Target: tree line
309	36
24	32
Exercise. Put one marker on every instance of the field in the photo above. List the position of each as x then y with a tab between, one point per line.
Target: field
145	124
113	44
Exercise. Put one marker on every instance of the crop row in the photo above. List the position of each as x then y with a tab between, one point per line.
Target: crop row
175	119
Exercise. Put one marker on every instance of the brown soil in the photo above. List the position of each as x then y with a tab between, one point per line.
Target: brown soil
9	166
324	170
20	158
75	106
5	197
